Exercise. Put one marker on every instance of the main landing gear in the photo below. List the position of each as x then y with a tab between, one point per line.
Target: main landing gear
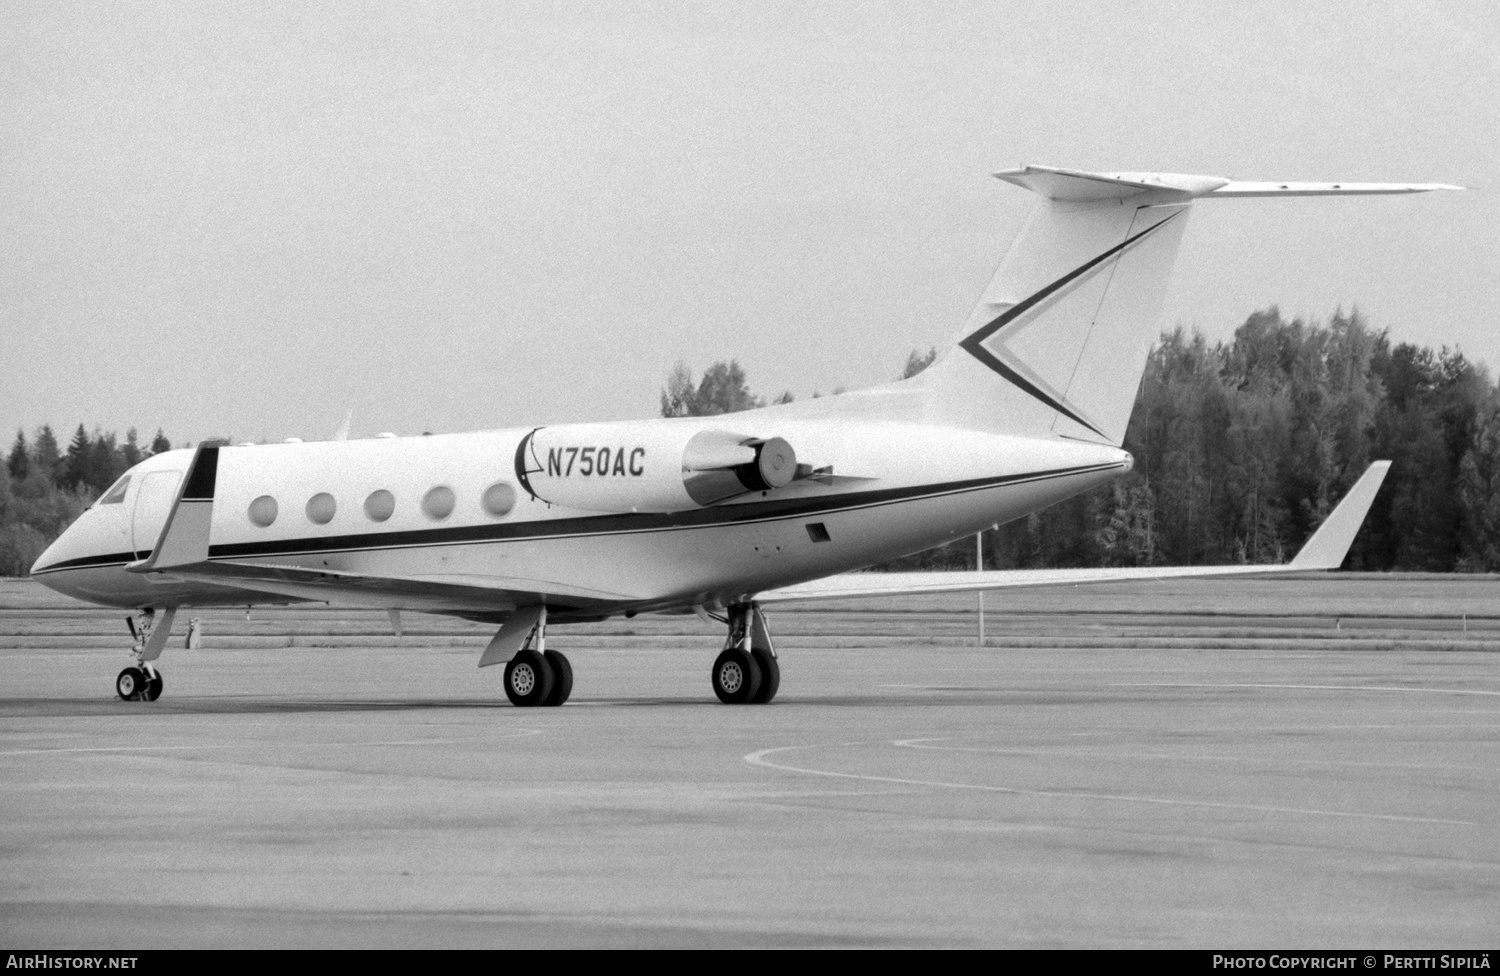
746	672
141	681
535	675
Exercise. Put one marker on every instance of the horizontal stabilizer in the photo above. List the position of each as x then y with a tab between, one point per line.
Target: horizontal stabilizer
1242	189
1077	185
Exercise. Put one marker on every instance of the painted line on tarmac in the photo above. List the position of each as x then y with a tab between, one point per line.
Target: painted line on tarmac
1465	726
237	745
758	758
1169	757
1223	684
28	752
1227	684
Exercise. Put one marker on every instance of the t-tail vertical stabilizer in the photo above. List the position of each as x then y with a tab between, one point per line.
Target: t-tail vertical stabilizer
1059	340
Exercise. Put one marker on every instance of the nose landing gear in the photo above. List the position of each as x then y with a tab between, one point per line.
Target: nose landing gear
141	681
139	684
746	672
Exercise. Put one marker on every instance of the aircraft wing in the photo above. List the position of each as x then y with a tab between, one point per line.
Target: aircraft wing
471	595
1324	551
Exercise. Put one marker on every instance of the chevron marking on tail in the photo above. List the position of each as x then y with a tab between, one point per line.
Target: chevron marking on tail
1000	359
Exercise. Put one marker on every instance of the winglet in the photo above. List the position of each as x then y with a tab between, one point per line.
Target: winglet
184	537
1330	544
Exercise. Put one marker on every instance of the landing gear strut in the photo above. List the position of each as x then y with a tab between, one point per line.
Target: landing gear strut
142	681
746	672
535	675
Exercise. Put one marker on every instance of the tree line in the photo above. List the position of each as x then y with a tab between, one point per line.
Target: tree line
46	488
1243	446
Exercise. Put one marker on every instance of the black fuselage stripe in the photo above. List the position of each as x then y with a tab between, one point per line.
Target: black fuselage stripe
85	562
600	525
631	523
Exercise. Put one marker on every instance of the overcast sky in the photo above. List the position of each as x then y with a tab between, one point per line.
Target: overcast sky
247	219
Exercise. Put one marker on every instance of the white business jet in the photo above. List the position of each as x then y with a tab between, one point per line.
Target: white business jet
715	515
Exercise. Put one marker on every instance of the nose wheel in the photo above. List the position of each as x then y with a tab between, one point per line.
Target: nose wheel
142	681
130	683
138	684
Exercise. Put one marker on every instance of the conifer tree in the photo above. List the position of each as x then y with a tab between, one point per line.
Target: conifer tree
104	462
19	461
130	454
1479	494
44	455
75	469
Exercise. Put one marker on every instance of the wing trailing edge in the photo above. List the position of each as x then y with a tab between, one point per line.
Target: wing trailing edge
1325	550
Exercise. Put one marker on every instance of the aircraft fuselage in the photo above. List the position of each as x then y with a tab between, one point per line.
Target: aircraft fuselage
452	509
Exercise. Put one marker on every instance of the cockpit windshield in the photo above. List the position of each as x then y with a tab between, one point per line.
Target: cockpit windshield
116	494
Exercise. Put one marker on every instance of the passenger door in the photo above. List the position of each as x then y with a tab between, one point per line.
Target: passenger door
152	503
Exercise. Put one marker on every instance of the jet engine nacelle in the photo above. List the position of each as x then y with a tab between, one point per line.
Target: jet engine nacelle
651	467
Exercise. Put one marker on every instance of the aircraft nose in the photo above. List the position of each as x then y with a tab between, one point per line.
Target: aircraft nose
83	562
80	545
50	556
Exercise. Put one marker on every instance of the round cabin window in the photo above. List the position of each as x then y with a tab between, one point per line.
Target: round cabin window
499	499
437	504
321	508
380	505
263	511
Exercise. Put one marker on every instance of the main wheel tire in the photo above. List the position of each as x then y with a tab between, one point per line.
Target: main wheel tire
528	679
152	691
770	676
736	677
562	678
129	684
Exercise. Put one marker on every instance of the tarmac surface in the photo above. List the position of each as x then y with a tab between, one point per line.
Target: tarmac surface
1235	764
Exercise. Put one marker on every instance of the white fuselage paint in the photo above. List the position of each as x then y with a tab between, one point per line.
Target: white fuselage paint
897	488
